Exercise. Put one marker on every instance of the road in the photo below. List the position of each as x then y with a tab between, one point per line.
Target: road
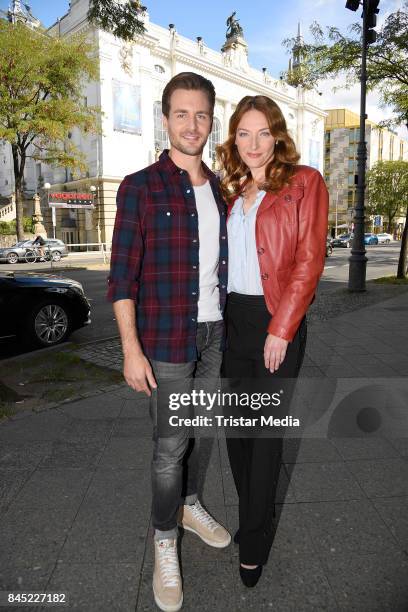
382	261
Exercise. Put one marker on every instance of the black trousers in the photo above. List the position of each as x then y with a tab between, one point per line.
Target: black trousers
255	461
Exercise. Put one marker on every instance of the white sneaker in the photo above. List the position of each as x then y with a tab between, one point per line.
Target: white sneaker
194	518
167	588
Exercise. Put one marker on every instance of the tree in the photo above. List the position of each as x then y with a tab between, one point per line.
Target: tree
41	99
336	54
387	192
120	18
388	195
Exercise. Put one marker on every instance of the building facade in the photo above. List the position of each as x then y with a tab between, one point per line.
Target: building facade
341	136
129	90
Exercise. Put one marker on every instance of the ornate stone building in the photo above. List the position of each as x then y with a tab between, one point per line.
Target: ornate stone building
129	90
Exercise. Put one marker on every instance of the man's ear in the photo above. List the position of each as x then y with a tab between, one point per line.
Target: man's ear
165	122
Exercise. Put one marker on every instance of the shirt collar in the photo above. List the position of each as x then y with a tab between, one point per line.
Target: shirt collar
168	165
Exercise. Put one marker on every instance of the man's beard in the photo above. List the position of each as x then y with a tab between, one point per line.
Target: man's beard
186	149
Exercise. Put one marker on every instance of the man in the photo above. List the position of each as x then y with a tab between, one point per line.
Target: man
39	243
168	284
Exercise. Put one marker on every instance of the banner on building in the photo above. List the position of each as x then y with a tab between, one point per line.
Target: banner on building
65	199
314	153
126	107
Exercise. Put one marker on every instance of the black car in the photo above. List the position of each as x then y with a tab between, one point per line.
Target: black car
41	309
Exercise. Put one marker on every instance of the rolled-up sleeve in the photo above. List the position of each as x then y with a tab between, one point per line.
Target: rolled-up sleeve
127	242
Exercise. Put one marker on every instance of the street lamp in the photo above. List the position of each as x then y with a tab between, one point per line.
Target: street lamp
47	187
358	259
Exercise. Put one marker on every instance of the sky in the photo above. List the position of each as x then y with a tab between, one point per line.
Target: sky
266	23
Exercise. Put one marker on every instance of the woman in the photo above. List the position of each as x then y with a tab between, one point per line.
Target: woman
277	229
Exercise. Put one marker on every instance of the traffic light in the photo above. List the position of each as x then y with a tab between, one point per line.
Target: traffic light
371	20
353	4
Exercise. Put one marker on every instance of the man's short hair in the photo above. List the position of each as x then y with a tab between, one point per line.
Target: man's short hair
190	81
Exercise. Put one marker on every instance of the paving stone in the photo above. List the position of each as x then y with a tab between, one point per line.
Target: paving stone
324	482
308	450
394	513
97	587
381	477
364	448
40	426
11	483
34	535
369	582
344	527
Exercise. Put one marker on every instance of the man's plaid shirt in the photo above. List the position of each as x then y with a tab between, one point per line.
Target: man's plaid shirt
154	257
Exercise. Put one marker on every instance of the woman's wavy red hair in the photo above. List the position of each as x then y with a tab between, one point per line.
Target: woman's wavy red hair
279	170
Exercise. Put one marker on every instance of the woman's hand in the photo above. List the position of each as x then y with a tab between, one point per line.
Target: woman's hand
274	352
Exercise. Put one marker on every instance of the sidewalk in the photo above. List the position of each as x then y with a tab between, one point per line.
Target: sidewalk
75	496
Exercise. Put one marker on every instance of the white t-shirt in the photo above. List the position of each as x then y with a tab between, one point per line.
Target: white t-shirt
209	252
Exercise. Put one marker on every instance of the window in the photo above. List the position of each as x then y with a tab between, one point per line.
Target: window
160	134
215	137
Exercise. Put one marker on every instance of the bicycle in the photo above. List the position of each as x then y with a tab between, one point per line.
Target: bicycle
33	254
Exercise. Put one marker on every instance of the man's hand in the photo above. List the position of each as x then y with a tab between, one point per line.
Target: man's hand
138	373
274	352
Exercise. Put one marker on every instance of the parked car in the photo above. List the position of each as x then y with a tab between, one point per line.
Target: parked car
344	240
329	248
384	237
17	252
370	239
41	309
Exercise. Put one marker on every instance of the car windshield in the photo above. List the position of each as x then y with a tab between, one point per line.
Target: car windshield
345	236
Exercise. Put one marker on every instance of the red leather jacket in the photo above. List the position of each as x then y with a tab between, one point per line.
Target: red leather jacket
291	230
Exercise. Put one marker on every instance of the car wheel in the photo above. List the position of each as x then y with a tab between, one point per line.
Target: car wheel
12	258
48	323
56	256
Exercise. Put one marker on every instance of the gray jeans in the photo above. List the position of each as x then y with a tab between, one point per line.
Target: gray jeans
174	467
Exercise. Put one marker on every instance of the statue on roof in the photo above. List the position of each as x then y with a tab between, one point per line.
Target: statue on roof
233	26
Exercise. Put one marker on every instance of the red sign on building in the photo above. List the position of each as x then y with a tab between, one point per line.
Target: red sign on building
65	199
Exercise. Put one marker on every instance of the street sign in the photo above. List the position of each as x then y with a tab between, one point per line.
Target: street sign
377	221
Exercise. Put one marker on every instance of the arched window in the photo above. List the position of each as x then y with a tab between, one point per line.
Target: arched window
160	134
215	137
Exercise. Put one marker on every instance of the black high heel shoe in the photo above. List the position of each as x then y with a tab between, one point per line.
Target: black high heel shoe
250	576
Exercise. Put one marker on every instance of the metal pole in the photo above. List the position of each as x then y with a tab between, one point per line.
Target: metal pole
358	259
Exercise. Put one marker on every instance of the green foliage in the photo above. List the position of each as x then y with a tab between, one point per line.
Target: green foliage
8	228
41	92
41	99
121	20
334	54
387	189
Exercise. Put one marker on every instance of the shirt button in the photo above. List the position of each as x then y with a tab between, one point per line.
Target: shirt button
223	237
223	261
265	276
193	320
261	250
194	293
195	240
193	214
188	190
194	267
168	214
222	286
181	172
